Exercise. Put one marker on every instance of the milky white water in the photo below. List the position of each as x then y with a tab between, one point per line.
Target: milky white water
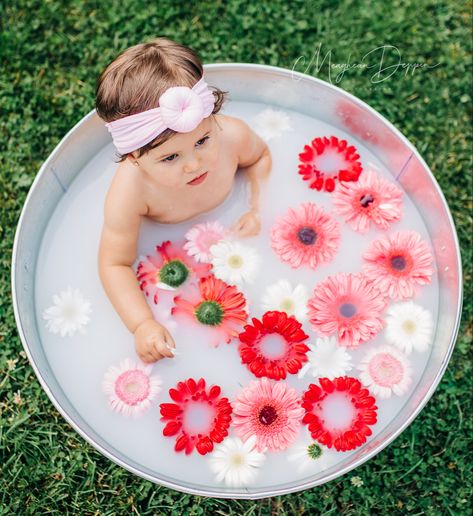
68	256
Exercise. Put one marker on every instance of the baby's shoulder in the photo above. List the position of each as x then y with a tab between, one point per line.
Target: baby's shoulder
125	195
235	131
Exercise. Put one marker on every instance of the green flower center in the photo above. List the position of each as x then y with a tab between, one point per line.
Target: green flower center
174	273
209	312
314	451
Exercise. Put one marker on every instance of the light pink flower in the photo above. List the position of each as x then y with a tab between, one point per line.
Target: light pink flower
398	263
305	235
386	370
270	410
130	387
347	305
202	237
370	199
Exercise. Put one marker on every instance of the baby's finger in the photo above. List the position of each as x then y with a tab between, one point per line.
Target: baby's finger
147	358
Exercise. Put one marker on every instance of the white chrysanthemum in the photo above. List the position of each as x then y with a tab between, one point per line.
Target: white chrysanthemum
386	370
130	387
234	262
282	297
69	314
326	359
271	124
409	326
308	455
236	462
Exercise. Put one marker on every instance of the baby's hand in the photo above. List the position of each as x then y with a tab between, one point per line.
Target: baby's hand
153	342
248	224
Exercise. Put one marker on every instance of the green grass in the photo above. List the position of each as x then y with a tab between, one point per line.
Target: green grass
51	53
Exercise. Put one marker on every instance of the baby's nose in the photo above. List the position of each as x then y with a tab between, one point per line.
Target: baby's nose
192	165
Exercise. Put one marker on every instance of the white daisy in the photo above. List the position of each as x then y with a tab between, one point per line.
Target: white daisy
282	297
130	387
201	237
234	262
308	455
409	326
236	462
271	124
386	370
70	313
326	359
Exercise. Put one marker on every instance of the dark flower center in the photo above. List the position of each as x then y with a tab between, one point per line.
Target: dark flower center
347	310
366	200
307	235
268	415
314	451
209	312
174	273
398	262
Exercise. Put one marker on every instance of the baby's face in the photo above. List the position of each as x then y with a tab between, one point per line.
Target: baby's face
186	160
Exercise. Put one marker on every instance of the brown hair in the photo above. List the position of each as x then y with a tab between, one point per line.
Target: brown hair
135	80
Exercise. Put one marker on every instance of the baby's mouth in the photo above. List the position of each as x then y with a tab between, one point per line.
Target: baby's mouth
198	180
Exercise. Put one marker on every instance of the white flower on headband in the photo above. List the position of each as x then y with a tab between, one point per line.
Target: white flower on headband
180	109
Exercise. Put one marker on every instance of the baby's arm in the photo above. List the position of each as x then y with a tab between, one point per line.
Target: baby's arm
122	219
254	158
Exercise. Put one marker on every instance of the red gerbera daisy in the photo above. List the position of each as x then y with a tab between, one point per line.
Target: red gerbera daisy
327	160
339	412
168	269
274	346
199	417
214	305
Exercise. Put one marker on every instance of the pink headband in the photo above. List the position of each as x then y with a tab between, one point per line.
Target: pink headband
180	109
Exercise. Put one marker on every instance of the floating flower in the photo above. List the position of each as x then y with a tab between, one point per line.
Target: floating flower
199	417
234	262
69	314
347	305
399	263
385	370
326	359
169	269
269	410
202	237
271	124
274	346
308	455
339	412
305	235
215	305
327	160
370	199
281	296
130	387
236	462
409	326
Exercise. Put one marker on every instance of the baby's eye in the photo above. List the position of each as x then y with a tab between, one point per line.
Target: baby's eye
170	158
201	142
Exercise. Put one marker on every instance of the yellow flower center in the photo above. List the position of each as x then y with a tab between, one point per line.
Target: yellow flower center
287	305
409	326
237	459
235	261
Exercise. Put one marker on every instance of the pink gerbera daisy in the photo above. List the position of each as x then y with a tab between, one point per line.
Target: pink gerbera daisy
370	199
348	305
305	235
130	387
271	411
168	269
214	305
386	370
399	263
328	160
202	237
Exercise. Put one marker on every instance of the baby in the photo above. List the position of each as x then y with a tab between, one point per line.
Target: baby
177	159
